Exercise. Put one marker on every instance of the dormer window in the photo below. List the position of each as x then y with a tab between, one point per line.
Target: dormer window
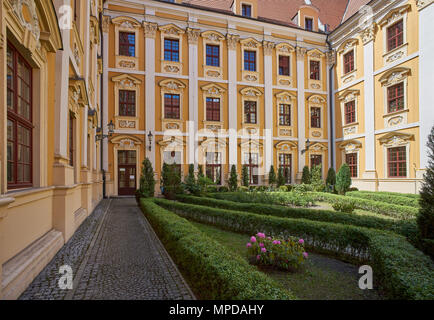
308	24
246	10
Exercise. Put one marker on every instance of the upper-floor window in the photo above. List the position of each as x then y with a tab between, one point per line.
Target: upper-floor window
250	112
351	160
19	120
249	60
285	115
251	161
284	66
350	112
397	162
308	24
212	109
171	106
395	97
127	44
395	35
171	50
349	62
214	166
212	55
314	69
315	117
246	10
285	162
127	103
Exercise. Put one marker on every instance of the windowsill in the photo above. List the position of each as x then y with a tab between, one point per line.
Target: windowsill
171	120
395	49
395	113
350	124
349	74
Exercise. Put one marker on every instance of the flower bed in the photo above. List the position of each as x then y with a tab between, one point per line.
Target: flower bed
397	200
387	209
403	271
405	227
209	267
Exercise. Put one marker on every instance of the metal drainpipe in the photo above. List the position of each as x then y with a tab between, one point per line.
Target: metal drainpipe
102	110
331	99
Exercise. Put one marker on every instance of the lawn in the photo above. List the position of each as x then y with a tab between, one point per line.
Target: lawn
322	279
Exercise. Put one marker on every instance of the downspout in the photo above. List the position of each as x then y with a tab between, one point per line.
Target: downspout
102	109
331	99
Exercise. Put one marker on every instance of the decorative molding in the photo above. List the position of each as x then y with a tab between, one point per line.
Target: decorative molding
394	15
106	24
394	76
33	24
396	139
171	29
301	52
250	92
368	34
150	29
193	35
232	40
422	4
331	57
268	47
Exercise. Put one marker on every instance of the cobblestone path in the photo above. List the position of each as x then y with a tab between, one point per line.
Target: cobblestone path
114	254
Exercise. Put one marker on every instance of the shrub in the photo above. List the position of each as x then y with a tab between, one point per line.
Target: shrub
245	176
233	179
343	179
223	189
272	177
206	185
344	206
200	171
405	228
403	271
190	181
280	177
387	209
425	218
170	181
212	270
283	189
396	194
403	201
305	178
147	181
243	189
331	180
286	254
303	188
316	179
352	189
281	198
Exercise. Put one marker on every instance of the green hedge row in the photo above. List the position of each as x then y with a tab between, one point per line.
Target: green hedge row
402	270
404	227
212	271
387	209
281	198
396	194
398	200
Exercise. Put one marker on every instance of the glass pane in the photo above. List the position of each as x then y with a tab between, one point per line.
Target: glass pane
20	173
27	172
10	151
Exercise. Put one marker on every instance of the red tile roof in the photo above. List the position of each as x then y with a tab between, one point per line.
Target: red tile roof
353	7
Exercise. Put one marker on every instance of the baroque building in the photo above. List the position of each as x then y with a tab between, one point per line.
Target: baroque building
91	88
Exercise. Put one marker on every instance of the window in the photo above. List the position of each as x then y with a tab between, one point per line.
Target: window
315	160
395	97
285	115
71	140
214	167
19	120
350	112
349	62
315	117
308	24
171	106
285	162
171	50
251	161
212	109
212	55
246	10
284	66
249	60
127	44
314	70
250	112
173	158
127	103
397	162
395	35
351	161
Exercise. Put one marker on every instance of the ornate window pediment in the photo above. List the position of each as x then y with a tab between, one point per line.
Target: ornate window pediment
286	146
213	89
78	92
126	23
316	99
285	97
315	53
349	95
394	15
394	76
285	48
125	141
251	145
348	45
350	146
126	81
318	147
172	85
171	29
393	139
213	36
171	143
250	92
213	144
250	43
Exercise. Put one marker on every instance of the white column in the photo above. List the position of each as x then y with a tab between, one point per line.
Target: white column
301	110
84	142
193	97
105	90
150	31
61	89
368	55
426	79
268	95
232	99
331	60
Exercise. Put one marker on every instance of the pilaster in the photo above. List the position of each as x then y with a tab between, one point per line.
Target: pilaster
301	110
232	41
268	96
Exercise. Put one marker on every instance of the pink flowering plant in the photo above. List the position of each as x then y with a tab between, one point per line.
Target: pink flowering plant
286	254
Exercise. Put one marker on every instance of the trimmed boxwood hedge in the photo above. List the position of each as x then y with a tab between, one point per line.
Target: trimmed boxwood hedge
387	209
211	270
396	194
403	271
280	198
406	228
398	200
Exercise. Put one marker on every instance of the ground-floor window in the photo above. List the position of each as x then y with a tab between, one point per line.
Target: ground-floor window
285	162
127	172
351	161
214	166
397	162
173	158
315	160
251	160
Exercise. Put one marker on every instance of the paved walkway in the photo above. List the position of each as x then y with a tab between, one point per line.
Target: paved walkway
114	254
